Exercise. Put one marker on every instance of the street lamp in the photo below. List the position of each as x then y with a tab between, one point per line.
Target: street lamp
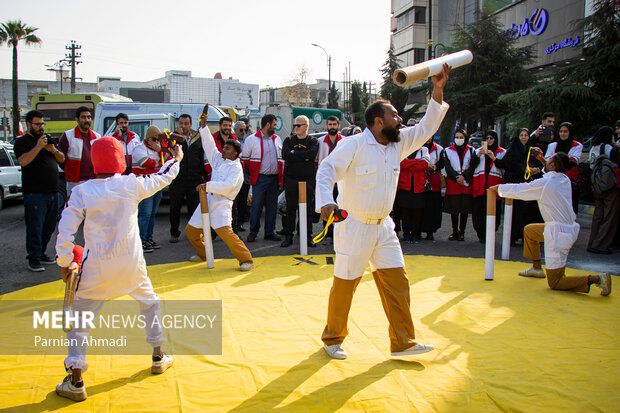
329	66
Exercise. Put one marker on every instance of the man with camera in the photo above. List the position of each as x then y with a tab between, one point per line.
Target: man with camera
544	134
39	158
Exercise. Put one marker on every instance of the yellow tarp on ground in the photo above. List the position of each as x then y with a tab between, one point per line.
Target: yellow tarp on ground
507	345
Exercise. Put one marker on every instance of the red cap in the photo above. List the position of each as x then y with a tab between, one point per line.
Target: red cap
107	156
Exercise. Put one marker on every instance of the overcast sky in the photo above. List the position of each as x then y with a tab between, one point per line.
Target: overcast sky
255	41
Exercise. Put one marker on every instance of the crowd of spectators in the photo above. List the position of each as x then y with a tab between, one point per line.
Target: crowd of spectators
432	180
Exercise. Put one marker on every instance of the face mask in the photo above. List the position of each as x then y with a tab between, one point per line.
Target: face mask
459	141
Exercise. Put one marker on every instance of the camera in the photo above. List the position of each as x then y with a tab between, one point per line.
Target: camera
547	135
52	139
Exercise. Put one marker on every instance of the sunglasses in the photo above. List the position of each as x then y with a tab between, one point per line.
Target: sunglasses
242	130
299	125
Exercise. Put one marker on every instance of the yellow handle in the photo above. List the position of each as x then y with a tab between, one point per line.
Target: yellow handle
319	237
528	173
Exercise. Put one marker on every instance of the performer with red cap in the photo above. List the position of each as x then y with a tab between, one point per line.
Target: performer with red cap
113	263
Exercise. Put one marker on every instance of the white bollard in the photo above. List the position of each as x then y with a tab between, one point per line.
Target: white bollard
489	255
206	227
507	229
303	220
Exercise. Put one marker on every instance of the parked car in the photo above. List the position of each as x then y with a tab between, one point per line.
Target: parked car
10	174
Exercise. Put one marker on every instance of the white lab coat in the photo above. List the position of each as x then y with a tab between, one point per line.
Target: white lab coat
367	175
113	262
226	181
554	195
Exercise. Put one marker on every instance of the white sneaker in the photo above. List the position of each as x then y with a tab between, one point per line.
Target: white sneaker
195	258
246	266
533	272
417	349
604	283
335	351
68	390
159	366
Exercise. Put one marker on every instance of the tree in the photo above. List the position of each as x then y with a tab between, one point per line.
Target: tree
298	93
12	32
586	93
332	97
498	68
365	96
397	95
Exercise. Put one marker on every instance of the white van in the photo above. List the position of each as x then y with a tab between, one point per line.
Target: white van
10	174
143	115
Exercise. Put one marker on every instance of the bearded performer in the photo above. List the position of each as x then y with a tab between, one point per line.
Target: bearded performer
366	167
113	263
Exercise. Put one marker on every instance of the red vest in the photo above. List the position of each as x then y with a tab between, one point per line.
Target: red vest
435	179
254	165
453	188
412	168
73	160
481	182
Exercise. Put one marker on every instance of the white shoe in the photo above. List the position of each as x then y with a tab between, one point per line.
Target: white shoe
195	258
246	266
533	272
68	390
335	351
417	349
159	366
604	283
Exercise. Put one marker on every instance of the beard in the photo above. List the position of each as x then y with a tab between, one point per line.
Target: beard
392	134
34	135
332	131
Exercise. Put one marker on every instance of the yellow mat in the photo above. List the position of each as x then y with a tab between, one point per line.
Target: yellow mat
507	345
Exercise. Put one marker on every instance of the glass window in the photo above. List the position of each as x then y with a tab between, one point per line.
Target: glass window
4	158
139	127
404	20
420	15
62	111
418	55
13	157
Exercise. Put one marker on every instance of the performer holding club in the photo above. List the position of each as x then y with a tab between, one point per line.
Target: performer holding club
559	232
226	181
366	167
113	263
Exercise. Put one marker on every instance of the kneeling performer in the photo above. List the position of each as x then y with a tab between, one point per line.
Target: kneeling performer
559	232
226	181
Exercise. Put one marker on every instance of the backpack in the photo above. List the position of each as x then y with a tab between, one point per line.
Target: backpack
603	176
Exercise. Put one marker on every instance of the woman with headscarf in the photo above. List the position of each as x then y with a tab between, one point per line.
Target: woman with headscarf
606	205
460	163
431	221
486	175
573	149
514	165
411	193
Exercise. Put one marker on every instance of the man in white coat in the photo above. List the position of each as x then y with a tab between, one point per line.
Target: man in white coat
559	232
226	181
113	263
366	167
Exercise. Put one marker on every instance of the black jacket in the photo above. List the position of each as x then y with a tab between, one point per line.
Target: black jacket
299	157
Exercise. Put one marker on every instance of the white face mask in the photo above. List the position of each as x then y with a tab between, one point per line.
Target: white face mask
459	141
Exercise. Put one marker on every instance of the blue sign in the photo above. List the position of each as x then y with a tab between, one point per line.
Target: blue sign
568	42
536	24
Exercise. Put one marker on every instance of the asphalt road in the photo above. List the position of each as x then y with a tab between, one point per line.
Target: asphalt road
14	274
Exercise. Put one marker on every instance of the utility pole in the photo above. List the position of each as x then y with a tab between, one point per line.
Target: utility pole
72	60
58	67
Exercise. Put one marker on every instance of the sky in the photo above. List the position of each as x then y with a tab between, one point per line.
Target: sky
265	42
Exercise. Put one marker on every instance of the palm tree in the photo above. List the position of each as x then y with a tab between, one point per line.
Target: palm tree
12	32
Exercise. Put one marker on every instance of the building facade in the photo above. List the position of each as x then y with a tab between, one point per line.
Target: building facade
182	87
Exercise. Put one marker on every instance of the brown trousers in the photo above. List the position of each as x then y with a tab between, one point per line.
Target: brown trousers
393	287
237	247
557	280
